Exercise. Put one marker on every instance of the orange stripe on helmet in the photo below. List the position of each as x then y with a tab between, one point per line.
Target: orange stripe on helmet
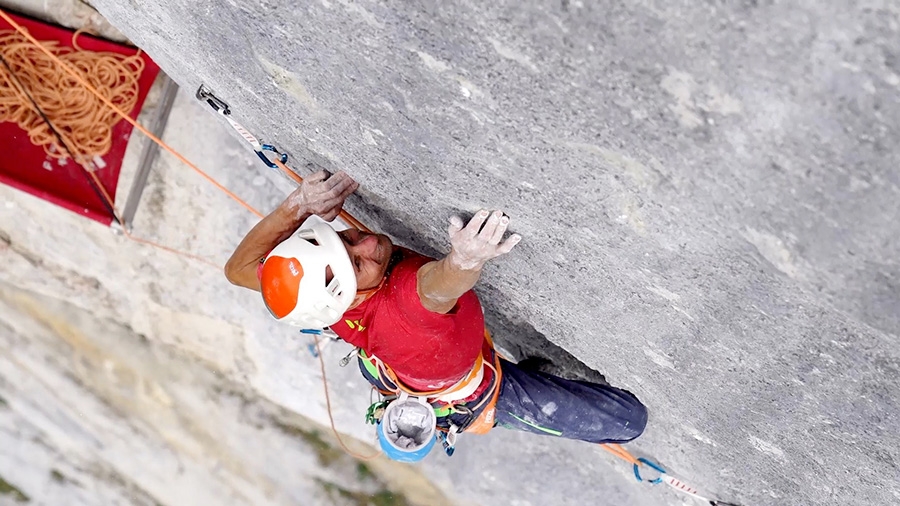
280	284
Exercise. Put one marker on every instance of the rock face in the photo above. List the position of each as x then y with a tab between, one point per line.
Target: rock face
94	414
708	195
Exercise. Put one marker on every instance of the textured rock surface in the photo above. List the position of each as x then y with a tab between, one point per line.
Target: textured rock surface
73	14
708	196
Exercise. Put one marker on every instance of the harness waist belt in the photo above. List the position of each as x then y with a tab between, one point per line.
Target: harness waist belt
465	387
462	389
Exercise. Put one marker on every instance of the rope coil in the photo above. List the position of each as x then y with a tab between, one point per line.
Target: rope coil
75	112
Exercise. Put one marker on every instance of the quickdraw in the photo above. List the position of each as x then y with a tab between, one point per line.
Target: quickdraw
448	442
204	94
637	471
663	477
278	162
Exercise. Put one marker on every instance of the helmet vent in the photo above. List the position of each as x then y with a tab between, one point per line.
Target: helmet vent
308	236
330	278
334	288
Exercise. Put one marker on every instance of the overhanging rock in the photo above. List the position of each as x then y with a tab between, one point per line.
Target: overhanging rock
708	197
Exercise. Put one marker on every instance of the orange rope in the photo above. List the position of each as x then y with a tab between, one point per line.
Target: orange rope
75	75
330	416
70	147
76	114
25	107
622	453
352	221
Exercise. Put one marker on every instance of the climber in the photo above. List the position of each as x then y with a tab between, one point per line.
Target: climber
416	321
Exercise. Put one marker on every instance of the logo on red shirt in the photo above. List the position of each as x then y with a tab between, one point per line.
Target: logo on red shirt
355	325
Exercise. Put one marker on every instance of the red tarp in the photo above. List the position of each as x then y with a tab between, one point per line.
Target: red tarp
28	168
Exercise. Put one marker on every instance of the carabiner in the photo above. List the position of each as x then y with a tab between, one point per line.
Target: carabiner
283	157
206	95
651	464
449	447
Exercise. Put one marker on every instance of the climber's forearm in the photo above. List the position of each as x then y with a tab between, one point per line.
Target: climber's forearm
320	193
268	233
442	282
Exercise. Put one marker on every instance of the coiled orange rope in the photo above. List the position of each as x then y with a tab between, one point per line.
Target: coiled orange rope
78	115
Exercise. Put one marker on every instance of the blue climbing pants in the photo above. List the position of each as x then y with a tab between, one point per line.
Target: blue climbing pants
544	404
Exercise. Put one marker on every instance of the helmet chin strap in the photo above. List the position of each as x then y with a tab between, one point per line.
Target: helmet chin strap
364	295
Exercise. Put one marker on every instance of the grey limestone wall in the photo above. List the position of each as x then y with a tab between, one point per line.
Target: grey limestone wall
708	194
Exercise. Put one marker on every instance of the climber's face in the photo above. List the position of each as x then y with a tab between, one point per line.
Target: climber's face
369	255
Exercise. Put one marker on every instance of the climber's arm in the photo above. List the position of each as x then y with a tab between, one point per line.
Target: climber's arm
262	238
318	194
442	282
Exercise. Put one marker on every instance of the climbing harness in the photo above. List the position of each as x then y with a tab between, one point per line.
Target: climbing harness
460	390
377	410
466	406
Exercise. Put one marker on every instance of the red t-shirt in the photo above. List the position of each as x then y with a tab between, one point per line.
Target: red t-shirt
426	350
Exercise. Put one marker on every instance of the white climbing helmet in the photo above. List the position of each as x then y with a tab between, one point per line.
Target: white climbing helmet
293	277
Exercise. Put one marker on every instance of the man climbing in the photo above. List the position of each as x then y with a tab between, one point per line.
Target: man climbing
417	322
